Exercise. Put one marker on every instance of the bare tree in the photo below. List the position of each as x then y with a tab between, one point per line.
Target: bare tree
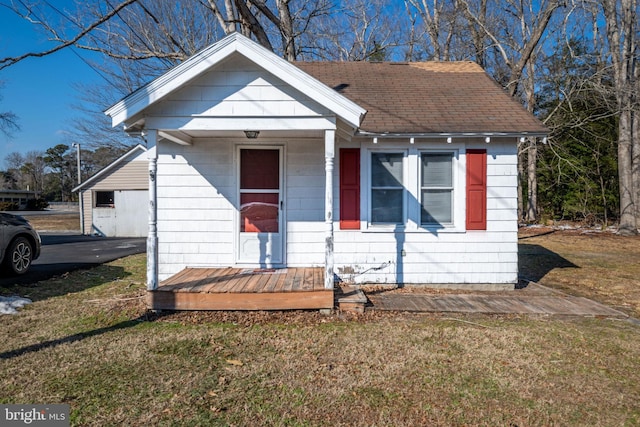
361	30
27	11
27	171
622	26
635	149
13	173
476	23
33	170
516	35
138	40
531	213
439	18
515	48
8	121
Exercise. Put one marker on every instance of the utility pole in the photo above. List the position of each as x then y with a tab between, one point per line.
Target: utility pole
80	198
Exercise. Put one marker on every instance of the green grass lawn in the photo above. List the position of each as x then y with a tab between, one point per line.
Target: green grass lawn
87	341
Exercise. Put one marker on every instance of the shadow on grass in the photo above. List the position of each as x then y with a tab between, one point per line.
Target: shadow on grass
149	316
535	262
544	233
76	281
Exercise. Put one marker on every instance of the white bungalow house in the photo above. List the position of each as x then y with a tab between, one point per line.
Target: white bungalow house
367	172
115	199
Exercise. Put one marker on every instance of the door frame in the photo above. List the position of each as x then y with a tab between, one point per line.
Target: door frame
282	203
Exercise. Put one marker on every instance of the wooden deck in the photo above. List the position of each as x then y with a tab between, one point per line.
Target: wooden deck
516	303
242	289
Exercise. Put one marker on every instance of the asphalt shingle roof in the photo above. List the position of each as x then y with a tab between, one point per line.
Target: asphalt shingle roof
426	97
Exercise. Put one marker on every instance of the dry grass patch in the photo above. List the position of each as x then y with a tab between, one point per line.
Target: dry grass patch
87	341
55	222
597	265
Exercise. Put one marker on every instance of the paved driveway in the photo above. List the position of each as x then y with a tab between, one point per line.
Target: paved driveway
62	253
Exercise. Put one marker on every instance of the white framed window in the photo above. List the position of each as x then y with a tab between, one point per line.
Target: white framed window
436	188
418	189
387	188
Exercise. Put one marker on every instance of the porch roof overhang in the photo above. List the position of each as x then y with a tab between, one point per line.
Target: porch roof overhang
184	130
130	110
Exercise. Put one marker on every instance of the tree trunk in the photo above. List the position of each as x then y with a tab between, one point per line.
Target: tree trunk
286	29
532	182
620	37
521	161
635	144
532	155
535	34
627	224
251	25
477	35
227	23
532	32
431	17
230	24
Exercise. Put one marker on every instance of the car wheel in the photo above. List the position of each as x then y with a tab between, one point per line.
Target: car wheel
19	256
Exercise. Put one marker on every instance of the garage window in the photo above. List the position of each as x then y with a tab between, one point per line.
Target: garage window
104	199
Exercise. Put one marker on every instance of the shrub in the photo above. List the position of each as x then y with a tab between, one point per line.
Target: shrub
8	206
37	204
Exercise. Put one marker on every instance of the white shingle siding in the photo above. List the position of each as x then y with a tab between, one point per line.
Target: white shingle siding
196	194
197	220
237	88
443	256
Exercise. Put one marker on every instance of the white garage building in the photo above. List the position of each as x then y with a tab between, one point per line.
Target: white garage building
115	200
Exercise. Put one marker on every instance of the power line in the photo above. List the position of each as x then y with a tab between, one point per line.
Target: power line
97	71
88	63
65	16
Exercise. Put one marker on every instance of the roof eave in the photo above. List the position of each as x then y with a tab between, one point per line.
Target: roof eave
426	135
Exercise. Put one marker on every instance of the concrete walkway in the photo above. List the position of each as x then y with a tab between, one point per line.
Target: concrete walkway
534	299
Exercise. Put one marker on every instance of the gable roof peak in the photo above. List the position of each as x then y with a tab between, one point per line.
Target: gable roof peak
135	151
179	76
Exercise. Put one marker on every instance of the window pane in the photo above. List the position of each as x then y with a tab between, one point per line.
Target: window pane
436	206
386	206
437	170
386	169
104	199
259	212
259	169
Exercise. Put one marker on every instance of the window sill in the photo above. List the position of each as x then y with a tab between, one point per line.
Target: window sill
403	228
379	228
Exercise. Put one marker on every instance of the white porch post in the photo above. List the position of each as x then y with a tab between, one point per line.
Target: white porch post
329	154
152	238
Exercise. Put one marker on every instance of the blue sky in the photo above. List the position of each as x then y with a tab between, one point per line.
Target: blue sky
38	90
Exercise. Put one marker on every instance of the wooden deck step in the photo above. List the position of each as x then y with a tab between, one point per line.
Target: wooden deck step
243	289
351	299
159	300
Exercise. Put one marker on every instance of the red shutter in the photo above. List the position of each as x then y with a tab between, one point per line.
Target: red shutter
476	189
349	188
